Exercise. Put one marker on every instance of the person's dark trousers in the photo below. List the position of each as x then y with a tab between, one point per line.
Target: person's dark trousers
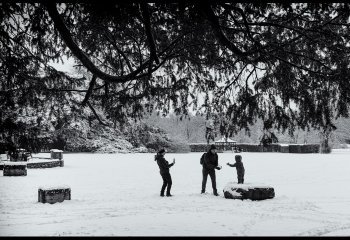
166	182
212	177
240	179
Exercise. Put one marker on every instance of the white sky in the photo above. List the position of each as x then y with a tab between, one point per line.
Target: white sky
67	66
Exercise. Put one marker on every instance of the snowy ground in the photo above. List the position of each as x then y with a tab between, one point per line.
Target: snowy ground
118	195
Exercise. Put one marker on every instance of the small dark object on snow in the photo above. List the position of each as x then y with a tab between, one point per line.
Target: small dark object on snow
56	154
14	169
54	195
251	192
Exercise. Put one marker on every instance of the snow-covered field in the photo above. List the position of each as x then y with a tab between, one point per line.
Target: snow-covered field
118	195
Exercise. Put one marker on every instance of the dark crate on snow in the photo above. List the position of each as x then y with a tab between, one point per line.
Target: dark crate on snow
15	169
54	195
251	192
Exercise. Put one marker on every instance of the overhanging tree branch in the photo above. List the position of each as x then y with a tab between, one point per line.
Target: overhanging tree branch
245	22
235	80
65	34
214	22
89	91
147	22
96	115
298	66
119	51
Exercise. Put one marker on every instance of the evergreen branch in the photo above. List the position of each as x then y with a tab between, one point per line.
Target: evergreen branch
97	117
245	23
89	91
214	22
150	38
235	80
67	38
119	51
298	66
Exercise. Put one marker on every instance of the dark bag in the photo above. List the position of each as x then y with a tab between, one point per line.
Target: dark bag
202	158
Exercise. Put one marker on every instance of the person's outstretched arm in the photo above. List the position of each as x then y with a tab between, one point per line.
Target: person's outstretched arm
232	165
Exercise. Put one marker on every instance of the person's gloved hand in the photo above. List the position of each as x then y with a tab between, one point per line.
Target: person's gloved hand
228	163
218	167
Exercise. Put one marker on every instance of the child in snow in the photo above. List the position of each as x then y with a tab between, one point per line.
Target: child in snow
239	167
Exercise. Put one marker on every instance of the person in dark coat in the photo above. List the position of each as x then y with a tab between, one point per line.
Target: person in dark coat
239	167
164	172
209	162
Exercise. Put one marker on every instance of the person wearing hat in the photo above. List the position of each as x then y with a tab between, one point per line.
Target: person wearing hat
239	167
164	172
209	162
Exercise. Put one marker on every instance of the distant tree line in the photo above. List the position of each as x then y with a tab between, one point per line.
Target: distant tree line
192	130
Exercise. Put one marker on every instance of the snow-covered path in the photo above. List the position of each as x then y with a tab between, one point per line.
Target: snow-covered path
118	195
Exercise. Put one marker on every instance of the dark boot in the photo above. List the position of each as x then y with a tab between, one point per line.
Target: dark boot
168	192
203	191
162	194
216	193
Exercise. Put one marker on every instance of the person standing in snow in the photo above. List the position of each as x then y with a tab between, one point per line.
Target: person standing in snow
209	161
239	167
164	172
